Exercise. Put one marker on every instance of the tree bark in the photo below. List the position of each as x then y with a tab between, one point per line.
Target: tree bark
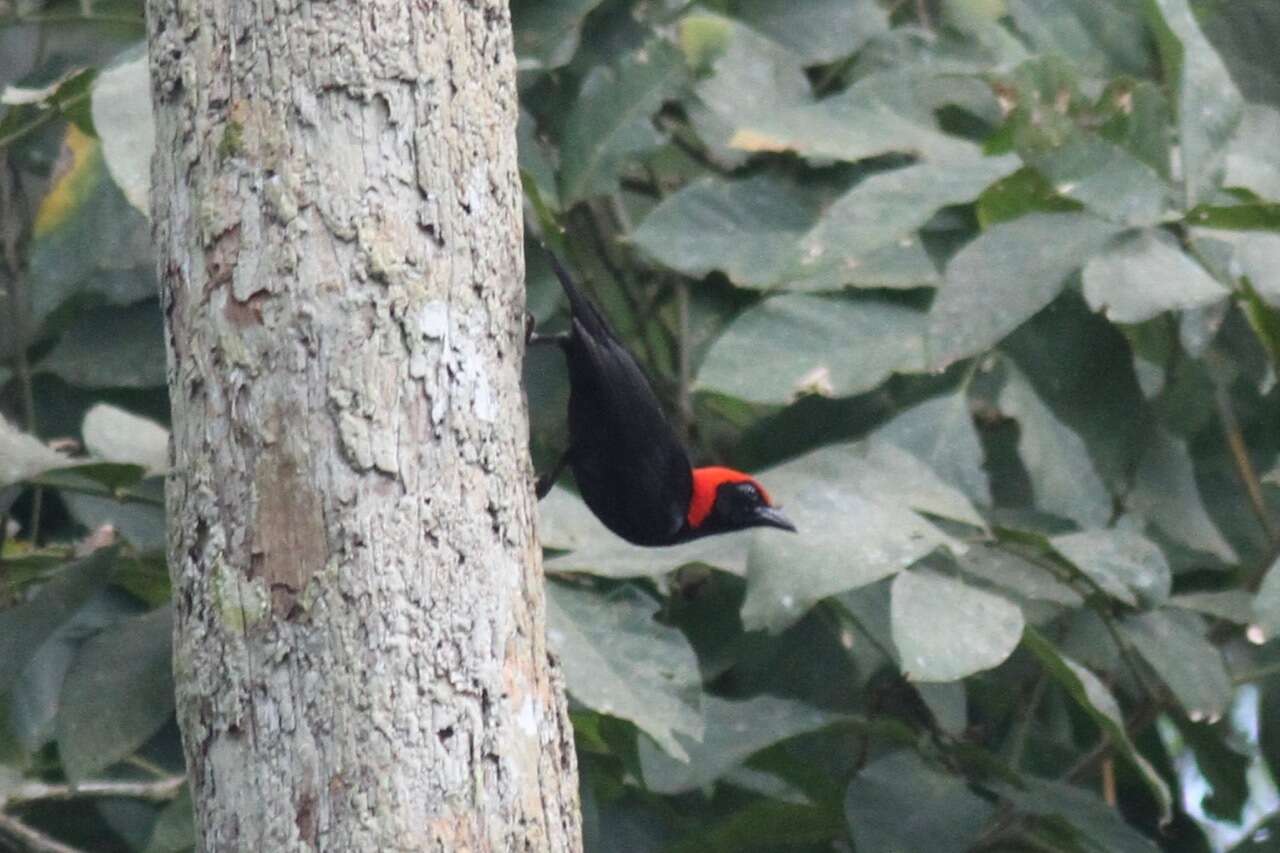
359	640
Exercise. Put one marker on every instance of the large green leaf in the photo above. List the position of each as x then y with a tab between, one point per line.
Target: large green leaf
117	694
749	229
88	241
1173	642
899	804
889	207
114	435
619	661
1100	37
816	31
946	630
547	31
796	344
1256	256
941	433
23	456
765	232
857	508
757	100
1209	104
612	119
1007	274
1093	825
174	830
1105	178
24	627
1252	160
1092	695
110	347
1144	275
122	119
1166	494
1064	479
1124	564
735	730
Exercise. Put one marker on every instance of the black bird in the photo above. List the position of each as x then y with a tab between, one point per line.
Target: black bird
630	467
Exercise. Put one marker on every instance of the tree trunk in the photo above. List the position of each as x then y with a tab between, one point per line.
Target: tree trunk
359	641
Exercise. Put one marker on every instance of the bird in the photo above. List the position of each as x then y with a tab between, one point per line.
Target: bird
630	467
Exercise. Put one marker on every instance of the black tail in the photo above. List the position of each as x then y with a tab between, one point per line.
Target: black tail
584	311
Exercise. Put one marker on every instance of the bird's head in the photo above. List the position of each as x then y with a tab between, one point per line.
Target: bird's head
725	499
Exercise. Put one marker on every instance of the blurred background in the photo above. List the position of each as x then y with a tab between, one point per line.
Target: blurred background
985	291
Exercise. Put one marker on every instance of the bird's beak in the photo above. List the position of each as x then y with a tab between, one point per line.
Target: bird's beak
769	516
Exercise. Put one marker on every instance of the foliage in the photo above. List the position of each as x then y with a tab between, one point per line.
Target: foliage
986	292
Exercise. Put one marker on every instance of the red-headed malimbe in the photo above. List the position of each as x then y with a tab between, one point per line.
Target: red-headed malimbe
631	469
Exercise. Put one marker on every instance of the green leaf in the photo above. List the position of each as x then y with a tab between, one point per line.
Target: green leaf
1018	577
547	31
940	432
1173	642
122	119
612	120
1126	565
88	241
1095	826
1230	605
775	111
117	693
1096	700
1006	275
946	630
175	828
857	508
1209	105
801	344
1256	257
1248	216
1103	39
816	31
899	804
1252	160
889	207
114	435
619	661
1144	275
749	229
948	704
565	524
24	627
735	730
766	824
1166	494
1064	478
1104	177
1024	192
110	347
1266	604
23	456
765	232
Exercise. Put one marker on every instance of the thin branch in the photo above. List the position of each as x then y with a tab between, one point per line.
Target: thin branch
1244	465
158	790
33	839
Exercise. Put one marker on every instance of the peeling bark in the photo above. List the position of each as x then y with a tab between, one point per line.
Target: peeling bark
359	640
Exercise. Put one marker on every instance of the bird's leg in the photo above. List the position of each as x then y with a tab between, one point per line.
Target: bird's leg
547	480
